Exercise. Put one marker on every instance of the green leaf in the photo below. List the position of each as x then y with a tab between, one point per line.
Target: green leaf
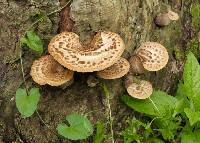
27	104
79	127
100	133
155	140
191	76
33	41
190	137
162	100
194	117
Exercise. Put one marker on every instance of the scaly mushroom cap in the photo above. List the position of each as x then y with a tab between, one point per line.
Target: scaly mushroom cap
141	90
153	55
47	71
119	69
104	50
172	15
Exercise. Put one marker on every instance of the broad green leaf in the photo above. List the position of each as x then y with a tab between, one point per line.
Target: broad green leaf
157	141
191	76
27	104
100	133
79	127
194	117
162	100
190	137
33	41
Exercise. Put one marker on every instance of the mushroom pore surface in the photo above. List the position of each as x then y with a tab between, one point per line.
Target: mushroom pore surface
117	70
47	71
153	56
103	51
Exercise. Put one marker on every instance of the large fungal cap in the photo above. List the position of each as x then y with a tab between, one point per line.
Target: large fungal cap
172	15
47	71
153	55
119	69
140	90
104	50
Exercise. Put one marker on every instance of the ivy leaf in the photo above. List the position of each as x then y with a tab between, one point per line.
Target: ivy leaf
162	100
194	117
191	76
79	127
33	41
100	133
27	104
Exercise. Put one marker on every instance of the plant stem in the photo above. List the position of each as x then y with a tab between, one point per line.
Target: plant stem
110	118
22	70
45	123
154	105
41	18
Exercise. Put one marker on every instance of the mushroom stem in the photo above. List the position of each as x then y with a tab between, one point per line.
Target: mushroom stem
130	79
165	19
136	66
92	81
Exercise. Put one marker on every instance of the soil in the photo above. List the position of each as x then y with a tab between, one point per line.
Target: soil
132	19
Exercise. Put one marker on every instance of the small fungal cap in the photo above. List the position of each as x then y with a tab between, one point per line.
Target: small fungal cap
153	55
119	69
104	50
141	90
162	20
173	15
47	71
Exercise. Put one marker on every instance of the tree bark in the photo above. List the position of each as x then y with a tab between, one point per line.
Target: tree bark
132	19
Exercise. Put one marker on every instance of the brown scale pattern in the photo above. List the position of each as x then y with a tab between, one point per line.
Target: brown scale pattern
103	51
153	55
117	70
141	90
47	71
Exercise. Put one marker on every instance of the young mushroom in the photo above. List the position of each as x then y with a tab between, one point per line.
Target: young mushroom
119	69
139	89
152	55
164	19
103	51
47	71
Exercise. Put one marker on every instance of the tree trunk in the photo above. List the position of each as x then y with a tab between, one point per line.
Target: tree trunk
132	19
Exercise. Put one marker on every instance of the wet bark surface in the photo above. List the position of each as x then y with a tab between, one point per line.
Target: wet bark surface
132	19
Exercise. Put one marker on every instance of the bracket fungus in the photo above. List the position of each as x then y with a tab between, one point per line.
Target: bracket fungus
164	19
47	71
153	56
119	69
103	51
139	89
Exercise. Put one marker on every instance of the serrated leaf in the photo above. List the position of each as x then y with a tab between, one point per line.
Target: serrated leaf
194	117
79	127
191	76
162	100
27	105
33	41
100	133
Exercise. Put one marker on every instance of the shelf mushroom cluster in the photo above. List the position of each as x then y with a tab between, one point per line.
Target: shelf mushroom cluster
102	55
69	55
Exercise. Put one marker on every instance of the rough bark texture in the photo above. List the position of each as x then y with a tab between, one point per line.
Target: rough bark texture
132	19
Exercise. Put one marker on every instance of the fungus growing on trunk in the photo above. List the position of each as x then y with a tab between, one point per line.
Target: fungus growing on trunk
47	71
118	70
104	50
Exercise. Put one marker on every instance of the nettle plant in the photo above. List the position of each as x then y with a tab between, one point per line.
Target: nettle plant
174	118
